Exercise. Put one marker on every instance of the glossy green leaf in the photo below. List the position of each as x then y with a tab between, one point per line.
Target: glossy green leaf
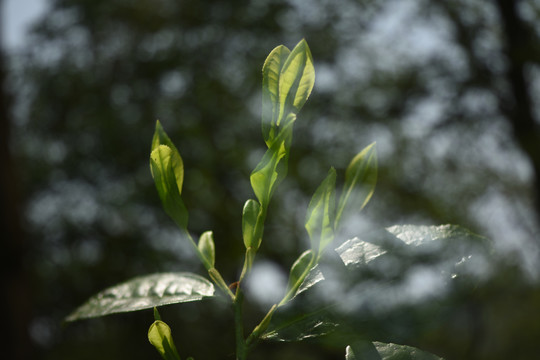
207	249
250	232
270	91
360	180
296	80
146	292
165	174
161	138
272	169
320	214
159	335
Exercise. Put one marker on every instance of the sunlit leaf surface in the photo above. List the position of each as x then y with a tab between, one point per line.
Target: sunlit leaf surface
146	292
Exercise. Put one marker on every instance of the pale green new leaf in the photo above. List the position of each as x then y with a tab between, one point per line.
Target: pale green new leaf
159	335
166	173
250	214
207	249
161	138
272	169
296	80
270	91
360	180
321	212
299	270
146	292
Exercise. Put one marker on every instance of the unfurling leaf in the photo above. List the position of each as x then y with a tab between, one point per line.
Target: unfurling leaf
360	180
145	292
161	138
207	249
250	232
320	214
168	177
159	335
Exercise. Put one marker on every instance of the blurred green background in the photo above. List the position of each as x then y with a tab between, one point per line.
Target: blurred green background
448	90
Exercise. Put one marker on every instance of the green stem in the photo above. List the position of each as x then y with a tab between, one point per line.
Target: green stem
241	348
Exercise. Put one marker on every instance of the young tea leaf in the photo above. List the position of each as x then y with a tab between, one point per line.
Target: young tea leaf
270	91
161	138
159	335
299	270
167	177
272	169
296	80
320	214
146	292
360	180
250	214
207	249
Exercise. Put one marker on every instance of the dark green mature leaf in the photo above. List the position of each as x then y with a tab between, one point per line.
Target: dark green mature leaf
159	335
207	249
168	177
360	180
320	214
270	91
250	214
146	292
272	169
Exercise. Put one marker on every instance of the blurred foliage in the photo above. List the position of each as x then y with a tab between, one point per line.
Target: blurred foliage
426	80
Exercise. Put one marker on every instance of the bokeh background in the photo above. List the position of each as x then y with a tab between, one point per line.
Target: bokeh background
448	89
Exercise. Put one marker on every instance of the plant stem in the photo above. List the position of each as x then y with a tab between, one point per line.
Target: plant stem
241	348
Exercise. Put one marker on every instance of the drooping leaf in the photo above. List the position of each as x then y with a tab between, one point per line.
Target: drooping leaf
250	214
296	80
166	174
360	180
270	91
362	350
161	138
207	249
146	292
321	212
159	335
272	169
301	327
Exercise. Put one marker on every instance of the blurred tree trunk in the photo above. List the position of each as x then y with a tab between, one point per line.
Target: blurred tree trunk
521	48
14	282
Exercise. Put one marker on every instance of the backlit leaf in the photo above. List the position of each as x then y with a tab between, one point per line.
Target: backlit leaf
207	249
161	138
360	180
270	91
159	335
321	212
166	174
296	80
250	214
